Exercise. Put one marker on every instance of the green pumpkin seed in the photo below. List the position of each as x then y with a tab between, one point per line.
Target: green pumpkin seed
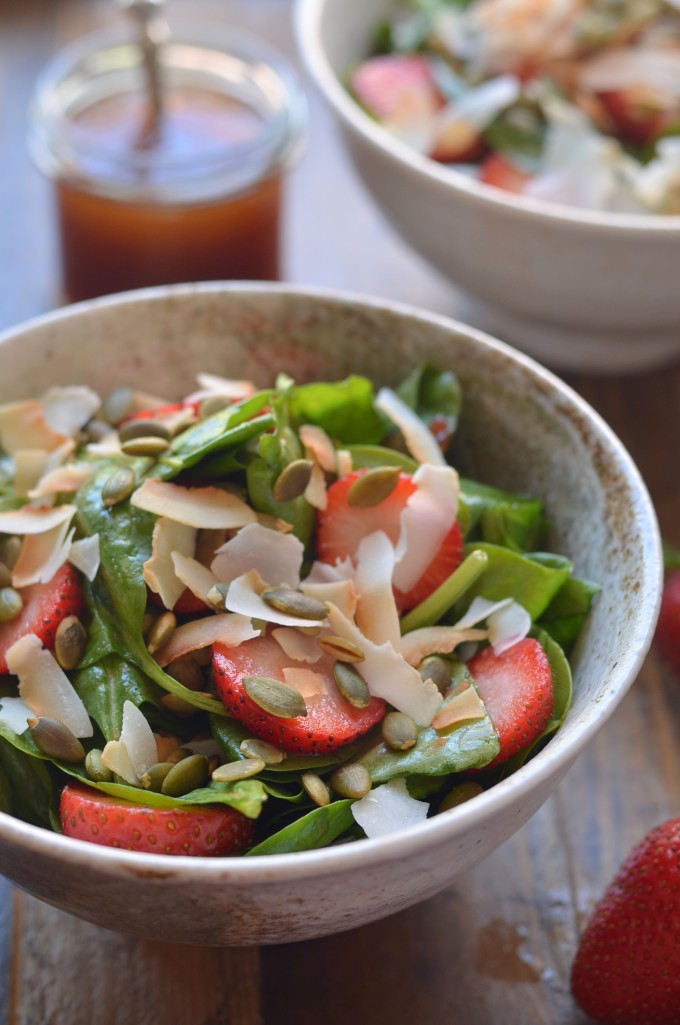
460	794
70	642
55	739
148	445
373	487
9	551
399	731
275	697
189	774
351	685
11	604
178	755
316	789
95	768
252	747
154	777
292	480
176	705
96	430
230	772
212	404
294	603
118	486
5	576
187	672
341	649
351	780
118	404
161	631
438	670
144	428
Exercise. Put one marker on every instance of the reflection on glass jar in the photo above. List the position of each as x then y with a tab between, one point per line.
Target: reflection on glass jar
198	199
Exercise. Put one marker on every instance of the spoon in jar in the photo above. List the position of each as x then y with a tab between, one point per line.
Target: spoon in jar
152	31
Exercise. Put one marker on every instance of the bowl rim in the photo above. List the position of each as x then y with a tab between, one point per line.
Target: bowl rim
553	760
307	17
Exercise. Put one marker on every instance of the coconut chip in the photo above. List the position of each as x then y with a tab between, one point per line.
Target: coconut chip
35	519
316	492
230	630
198	578
435	640
41	555
169	539
45	687
276	555
138	738
465	706
306	682
29	467
84	555
507	620
206	508
297	646
23	425
68	409
243	596
388	809
376	615
341	593
116	758
419	439
319	447
428	516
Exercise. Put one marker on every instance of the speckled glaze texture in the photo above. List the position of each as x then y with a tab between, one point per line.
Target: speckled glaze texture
521	428
579	289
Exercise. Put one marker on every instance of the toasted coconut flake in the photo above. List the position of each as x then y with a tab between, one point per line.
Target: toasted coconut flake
344	461
116	757
177	420
465	706
419	439
388	675
508	626
138	739
274	555
428	516
35	519
84	555
341	593
194	575
297	646
306	682
23	425
243	597
169	538
29	466
480	609
42	555
388	809
45	687
230	388
108	446
206	508
59	480
376	615
68	409
316	492
436	640
15	713
327	573
319	447
231	630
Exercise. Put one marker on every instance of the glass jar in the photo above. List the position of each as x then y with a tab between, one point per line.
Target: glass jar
198	200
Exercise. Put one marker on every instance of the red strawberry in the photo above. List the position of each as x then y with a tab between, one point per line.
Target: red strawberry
396	87
457	142
641	114
330	722
186	605
45	605
341	527
206	831
667	636
161	411
517	690
627	967
497	170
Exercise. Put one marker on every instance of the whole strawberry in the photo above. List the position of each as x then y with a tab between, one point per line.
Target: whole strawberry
667	636
627	967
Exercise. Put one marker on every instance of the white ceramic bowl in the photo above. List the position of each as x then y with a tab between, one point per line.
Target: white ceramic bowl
520	428
578	290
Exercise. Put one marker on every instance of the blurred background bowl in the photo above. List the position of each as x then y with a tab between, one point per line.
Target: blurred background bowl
521	428
577	289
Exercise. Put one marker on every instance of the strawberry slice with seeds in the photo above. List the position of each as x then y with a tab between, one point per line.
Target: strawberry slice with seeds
341	527
498	170
396	87
517	690
206	831
331	721
45	605
641	114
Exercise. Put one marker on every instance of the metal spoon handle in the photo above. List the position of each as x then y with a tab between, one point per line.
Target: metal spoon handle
152	32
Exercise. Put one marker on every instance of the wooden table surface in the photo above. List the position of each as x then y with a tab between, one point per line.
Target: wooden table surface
496	946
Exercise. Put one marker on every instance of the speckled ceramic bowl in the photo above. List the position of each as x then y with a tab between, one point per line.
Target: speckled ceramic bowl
521	428
576	289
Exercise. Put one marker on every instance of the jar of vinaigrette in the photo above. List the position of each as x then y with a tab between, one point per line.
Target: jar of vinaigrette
199	198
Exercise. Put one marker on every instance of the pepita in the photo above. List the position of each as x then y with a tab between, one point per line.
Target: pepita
55	739
144	428
95	768
10	550
438	670
275	697
373	487
294	603
178	755
70	642
340	648
213	404
149	618
351	685
176	705
189	774
187	672
11	604
145	446
316	789
399	731
96	430
230	772
118	486
161	631
154	777
460	794
252	747
118	404
5	575
292	480
351	780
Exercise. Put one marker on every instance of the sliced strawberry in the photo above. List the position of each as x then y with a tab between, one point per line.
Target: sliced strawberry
206	831
517	690
45	605
330	722
457	143
498	170
396	87
341	527
186	605
161	411
667	635
641	114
